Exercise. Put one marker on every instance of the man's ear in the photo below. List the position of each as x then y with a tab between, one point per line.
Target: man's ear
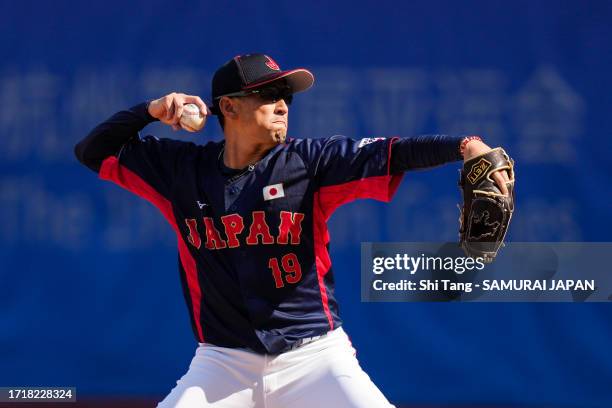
228	107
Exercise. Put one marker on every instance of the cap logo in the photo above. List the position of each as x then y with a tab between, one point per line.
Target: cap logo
271	64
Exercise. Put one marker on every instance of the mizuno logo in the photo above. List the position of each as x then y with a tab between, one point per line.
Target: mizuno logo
201	205
368	140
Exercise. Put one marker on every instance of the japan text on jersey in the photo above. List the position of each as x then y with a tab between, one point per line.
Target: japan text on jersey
253	253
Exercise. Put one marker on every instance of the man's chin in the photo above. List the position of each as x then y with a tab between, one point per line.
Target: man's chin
279	136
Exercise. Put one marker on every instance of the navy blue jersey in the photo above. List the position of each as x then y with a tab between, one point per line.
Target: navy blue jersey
253	244
254	250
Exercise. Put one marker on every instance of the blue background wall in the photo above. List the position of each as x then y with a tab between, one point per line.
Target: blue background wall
89	291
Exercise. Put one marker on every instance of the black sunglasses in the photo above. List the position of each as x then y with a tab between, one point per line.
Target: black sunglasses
268	94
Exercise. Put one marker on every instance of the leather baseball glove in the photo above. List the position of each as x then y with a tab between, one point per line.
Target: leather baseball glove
486	212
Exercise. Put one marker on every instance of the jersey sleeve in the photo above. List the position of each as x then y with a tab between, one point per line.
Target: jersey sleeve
147	166
346	169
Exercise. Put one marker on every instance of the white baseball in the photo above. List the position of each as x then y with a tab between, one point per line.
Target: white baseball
192	119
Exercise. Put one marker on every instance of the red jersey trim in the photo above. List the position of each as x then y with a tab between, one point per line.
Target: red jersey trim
113	171
322	259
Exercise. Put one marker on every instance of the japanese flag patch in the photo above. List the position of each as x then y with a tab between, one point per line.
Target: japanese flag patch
273	191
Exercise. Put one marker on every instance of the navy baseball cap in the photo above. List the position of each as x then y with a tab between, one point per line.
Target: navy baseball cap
251	71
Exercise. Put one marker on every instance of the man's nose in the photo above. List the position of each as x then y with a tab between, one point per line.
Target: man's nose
281	107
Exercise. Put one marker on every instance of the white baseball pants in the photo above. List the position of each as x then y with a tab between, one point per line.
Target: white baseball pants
323	373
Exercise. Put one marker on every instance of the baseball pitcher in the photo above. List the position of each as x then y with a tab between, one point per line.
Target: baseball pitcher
250	215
